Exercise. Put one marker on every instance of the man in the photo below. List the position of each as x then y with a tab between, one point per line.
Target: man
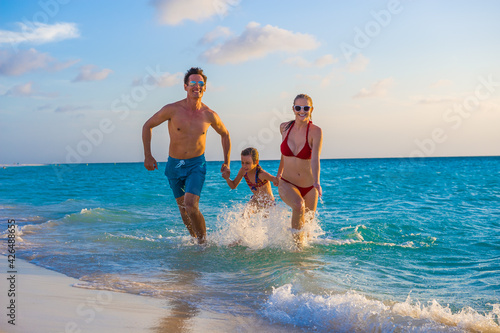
188	122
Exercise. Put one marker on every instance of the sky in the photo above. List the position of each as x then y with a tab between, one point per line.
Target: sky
415	78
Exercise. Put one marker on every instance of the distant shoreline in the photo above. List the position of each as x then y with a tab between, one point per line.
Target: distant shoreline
323	159
21	165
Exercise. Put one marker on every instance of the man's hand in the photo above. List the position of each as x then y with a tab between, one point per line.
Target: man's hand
224	167
150	163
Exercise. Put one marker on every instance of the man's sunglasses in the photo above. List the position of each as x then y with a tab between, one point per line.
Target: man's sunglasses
298	108
193	83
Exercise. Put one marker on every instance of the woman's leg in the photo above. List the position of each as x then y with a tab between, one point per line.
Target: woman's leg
291	196
311	201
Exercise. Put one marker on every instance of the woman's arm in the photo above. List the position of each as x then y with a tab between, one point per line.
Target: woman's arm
317	142
281	167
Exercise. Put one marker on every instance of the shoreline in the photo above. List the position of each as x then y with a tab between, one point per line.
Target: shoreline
46	301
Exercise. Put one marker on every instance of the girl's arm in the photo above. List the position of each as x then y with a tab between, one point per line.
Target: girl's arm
264	175
235	182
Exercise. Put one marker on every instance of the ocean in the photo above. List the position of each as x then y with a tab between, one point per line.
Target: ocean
398	245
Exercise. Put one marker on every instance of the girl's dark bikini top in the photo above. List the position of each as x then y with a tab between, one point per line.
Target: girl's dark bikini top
258	182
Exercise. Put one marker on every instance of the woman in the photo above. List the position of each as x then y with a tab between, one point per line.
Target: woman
299	169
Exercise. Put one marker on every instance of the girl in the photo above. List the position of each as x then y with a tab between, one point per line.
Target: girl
257	179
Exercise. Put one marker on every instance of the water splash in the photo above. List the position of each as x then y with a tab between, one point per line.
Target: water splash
267	228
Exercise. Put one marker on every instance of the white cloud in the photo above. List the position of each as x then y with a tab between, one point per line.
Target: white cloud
434	99
21	90
173	12
219	32
359	64
39	33
378	89
321	62
325	60
441	83
71	108
326	80
91	73
257	42
28	90
297	61
163	80
17	63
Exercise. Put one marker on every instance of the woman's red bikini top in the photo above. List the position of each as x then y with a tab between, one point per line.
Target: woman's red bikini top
305	153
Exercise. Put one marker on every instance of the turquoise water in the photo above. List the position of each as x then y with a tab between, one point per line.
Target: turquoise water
398	244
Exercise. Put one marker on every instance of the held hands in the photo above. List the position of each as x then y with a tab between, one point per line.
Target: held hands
276	180
150	163
226	172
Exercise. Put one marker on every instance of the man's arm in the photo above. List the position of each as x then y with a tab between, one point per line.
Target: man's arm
159	117
225	139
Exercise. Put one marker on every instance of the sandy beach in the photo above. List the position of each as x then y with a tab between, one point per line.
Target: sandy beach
46	301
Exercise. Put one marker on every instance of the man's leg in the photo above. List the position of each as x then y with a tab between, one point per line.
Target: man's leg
195	217
184	215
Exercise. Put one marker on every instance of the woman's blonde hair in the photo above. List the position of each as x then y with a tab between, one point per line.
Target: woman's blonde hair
304	96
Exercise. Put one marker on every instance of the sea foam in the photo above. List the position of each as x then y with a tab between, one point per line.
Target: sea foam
353	312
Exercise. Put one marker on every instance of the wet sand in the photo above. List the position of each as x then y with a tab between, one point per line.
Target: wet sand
46	301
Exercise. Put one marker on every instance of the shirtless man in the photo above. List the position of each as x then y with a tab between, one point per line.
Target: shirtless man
188	122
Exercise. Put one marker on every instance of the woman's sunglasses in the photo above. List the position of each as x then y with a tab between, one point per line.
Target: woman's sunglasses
298	108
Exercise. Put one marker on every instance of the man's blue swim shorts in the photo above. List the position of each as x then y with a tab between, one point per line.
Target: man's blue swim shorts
186	176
